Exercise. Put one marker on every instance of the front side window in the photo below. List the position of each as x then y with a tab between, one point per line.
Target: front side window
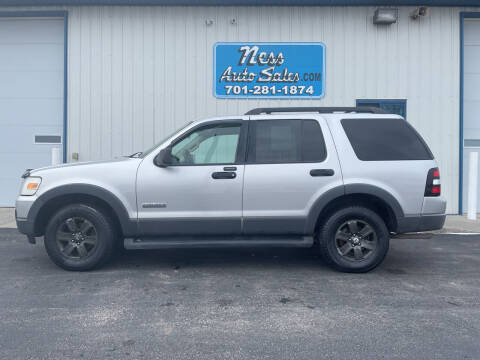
285	141
211	144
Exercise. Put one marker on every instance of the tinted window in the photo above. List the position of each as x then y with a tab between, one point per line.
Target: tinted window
208	145
285	141
385	139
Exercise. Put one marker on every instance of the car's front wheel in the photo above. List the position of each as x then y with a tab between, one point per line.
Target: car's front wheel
354	239
79	237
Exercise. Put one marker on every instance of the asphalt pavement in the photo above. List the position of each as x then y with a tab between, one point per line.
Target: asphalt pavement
423	302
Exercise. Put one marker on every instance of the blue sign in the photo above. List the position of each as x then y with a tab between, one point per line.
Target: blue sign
269	70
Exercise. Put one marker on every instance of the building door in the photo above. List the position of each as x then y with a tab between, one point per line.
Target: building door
471	98
31	97
391	106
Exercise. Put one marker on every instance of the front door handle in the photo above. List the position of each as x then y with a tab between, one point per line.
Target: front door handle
322	172
224	175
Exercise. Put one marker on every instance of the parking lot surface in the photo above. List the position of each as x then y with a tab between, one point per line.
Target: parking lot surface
423	302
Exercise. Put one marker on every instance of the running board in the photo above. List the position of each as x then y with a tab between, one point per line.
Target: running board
189	242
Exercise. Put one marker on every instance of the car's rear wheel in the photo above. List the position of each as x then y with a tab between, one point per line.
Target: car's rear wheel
79	237
353	239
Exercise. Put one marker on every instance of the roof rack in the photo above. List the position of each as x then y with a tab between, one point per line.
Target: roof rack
320	110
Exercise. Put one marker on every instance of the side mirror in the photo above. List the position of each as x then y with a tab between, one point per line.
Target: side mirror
164	158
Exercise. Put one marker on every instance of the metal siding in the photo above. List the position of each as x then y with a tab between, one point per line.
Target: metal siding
137	73
242	2
164	70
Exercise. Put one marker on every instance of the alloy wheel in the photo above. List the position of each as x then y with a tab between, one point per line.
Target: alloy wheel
355	240
77	238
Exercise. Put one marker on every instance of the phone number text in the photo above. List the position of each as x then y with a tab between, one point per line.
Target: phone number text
269	90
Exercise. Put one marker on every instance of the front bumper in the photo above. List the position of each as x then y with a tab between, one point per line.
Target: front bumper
25	226
23	205
420	223
25	223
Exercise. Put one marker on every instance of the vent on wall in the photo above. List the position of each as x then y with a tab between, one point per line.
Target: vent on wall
48	139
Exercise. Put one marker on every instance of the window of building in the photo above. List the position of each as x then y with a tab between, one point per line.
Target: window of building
285	141
385	140
398	107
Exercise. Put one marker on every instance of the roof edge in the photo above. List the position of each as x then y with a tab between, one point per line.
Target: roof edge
20	3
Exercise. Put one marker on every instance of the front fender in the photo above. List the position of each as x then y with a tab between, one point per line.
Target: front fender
129	227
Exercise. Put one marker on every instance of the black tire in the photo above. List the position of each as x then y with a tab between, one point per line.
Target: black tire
342	244
79	237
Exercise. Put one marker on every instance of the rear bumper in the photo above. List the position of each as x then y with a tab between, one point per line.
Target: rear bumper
420	223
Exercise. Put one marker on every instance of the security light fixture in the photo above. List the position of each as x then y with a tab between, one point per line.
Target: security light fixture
420	11
385	16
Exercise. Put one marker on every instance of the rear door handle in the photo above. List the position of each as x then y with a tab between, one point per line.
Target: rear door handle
322	172
224	175
230	168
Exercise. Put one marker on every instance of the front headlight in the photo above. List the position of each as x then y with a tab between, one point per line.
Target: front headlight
31	185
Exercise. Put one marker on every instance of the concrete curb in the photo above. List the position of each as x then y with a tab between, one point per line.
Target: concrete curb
7	218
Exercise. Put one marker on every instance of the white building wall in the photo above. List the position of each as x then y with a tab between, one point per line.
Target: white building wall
137	73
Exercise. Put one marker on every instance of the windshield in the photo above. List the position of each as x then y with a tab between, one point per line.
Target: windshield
149	150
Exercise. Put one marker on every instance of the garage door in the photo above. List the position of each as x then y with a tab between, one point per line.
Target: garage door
471	98
31	97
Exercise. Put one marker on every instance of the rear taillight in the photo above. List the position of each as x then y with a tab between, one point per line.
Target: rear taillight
432	188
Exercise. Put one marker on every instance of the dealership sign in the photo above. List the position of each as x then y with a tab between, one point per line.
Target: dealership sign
269	70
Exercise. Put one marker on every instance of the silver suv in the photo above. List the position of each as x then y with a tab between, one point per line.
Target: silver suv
340	180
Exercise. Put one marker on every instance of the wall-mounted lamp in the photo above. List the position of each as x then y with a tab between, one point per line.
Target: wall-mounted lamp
420	11
385	16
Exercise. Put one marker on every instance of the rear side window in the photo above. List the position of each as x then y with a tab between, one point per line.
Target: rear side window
285	141
385	140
